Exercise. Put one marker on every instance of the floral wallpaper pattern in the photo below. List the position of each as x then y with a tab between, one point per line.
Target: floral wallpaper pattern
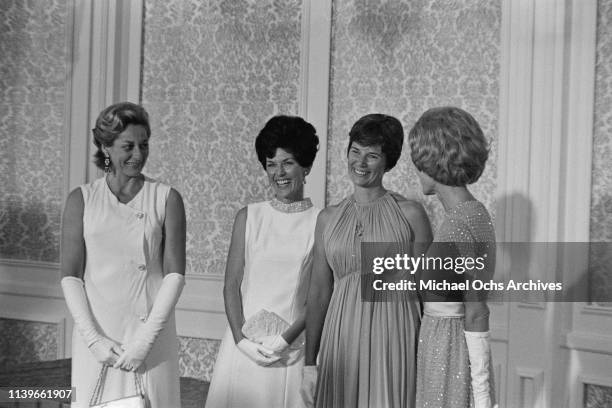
597	396
601	191
403	57
197	357
33	54
26	341
213	73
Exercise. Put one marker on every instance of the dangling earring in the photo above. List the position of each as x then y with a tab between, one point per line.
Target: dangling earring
305	174
107	164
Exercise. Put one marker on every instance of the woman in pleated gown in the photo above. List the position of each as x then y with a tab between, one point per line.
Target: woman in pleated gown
366	347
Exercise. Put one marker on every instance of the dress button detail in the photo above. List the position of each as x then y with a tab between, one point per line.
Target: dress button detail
139	215
142	267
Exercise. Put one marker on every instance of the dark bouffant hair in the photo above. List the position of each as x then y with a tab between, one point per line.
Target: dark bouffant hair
290	133
112	121
448	145
377	129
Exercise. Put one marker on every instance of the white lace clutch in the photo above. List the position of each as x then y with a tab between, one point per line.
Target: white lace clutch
265	323
262	324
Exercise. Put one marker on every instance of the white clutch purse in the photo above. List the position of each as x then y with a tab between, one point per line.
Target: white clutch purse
265	323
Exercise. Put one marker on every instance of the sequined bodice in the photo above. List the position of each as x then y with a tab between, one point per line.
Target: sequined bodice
469	226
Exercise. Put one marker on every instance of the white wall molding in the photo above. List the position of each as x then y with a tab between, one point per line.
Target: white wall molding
590	342
106	38
314	92
578	393
530	390
541	84
27	278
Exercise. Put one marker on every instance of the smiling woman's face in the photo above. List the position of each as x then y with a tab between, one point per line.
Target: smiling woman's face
129	151
366	165
286	176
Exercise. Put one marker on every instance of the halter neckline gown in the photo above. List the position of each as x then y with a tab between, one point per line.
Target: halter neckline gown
367	355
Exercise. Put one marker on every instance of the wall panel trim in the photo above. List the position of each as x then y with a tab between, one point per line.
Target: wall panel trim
314	92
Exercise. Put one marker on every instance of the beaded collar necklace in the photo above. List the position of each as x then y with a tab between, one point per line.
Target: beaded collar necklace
294	207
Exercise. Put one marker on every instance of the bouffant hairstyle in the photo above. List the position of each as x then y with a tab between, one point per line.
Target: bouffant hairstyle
377	129
112	121
448	145
290	133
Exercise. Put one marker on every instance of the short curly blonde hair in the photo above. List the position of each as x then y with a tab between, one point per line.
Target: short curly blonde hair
448	145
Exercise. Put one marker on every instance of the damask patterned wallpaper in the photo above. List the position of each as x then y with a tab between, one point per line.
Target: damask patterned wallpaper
213	73
197	357
25	342
33	72
403	57
601	192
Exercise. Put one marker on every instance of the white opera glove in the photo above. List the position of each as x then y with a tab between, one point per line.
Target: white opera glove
479	351
257	352
76	300
137	349
308	388
105	350
275	343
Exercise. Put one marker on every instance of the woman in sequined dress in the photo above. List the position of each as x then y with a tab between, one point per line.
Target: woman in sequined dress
366	350
449	151
268	269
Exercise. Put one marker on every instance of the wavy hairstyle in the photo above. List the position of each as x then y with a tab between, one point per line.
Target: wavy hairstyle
112	121
448	145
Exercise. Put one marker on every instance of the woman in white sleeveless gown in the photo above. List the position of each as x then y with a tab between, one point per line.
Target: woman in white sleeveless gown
123	260
268	269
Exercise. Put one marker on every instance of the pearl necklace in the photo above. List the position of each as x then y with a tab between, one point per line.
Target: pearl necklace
296	206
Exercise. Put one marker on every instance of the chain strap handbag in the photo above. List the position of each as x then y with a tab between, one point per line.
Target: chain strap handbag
137	400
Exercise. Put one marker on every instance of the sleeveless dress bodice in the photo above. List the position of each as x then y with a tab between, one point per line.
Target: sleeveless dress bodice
123	273
277	266
368	348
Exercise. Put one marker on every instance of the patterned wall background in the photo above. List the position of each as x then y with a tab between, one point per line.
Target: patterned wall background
197	357
25	342
214	72
601	191
597	396
33	74
402	57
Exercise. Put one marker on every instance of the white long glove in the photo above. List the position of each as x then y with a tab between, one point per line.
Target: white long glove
275	343
104	349
479	351
138	347
308	388
257	352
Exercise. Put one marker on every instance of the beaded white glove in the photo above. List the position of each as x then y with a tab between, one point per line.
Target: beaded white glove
308	388
478	345
137	349
257	352
275	343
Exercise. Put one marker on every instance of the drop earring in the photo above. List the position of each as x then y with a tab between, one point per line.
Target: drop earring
107	164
